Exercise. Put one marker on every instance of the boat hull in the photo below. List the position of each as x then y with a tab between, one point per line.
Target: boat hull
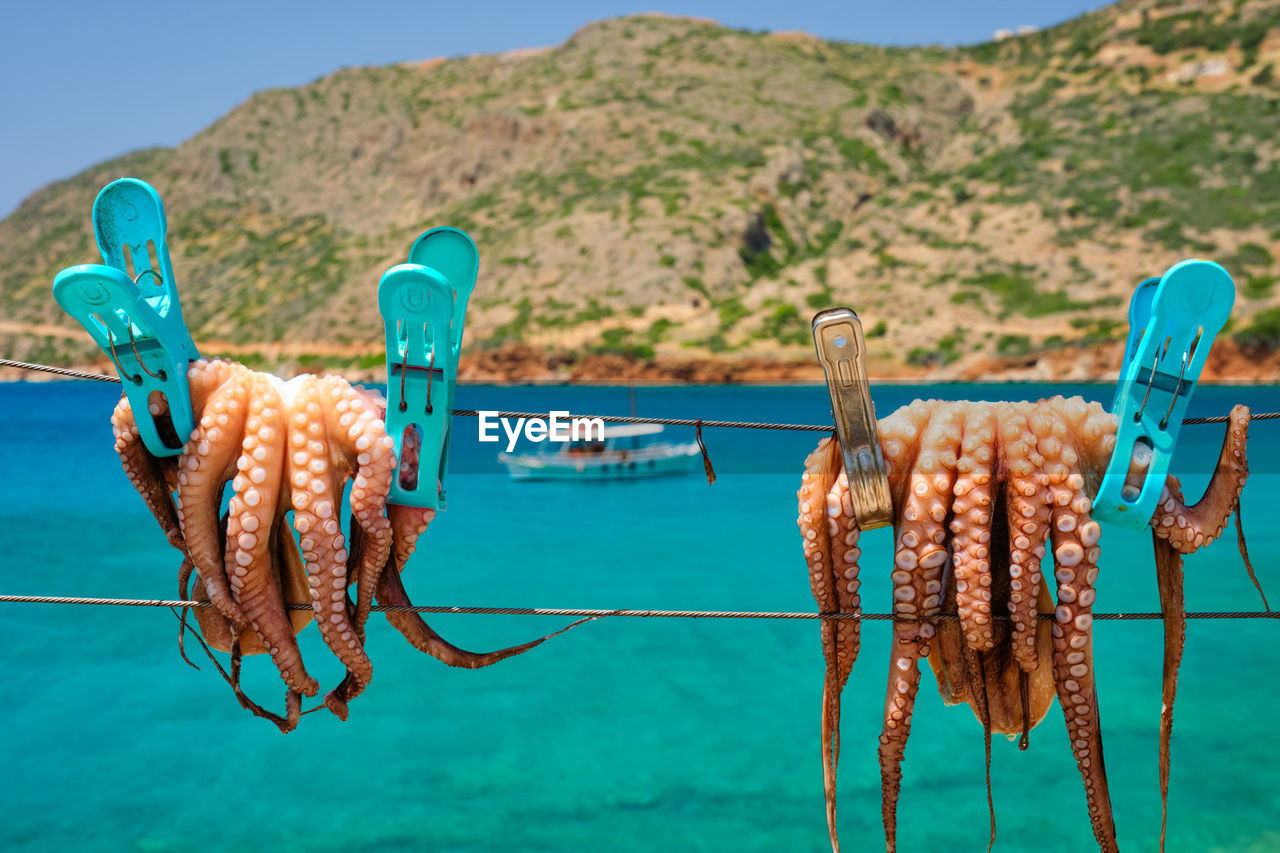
682	459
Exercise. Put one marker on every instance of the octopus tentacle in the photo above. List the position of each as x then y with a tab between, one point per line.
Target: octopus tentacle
250	528
354	421
973	663
153	478
900	442
407	524
145	472
817	481
900	697
1190	528
1075	556
1178	530
205	375
971	528
1248	564
286	565
1173	611
316	504
833	559
1093	431
900	435
844	532
292	698
920	531
184	575
208	462
1028	519
920	554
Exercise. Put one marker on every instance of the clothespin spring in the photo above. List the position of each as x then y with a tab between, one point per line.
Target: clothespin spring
1177	391
430	370
136	378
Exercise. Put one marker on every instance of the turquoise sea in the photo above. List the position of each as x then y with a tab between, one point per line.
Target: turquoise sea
625	734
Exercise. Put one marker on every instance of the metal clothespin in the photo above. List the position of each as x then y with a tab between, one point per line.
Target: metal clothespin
1172	323
837	336
136	319
424	307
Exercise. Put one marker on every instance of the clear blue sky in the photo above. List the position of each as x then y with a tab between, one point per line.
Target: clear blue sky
81	81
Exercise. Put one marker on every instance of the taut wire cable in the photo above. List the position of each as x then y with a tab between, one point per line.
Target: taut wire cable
601	613
613	419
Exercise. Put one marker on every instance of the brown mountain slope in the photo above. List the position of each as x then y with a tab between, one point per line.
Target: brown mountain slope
668	189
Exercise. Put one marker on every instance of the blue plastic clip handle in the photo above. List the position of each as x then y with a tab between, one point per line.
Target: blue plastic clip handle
453	254
424	305
1139	314
1172	323
136	321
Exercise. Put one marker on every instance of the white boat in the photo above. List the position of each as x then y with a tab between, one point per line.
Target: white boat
620	455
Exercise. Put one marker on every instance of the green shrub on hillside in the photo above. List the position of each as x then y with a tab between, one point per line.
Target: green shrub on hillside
786	326
1263	333
1013	346
1195	29
1018	294
947	351
617	341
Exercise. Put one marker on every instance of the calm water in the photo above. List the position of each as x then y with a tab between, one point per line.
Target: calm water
625	734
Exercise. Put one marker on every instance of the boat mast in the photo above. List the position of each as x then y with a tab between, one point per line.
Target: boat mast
631	397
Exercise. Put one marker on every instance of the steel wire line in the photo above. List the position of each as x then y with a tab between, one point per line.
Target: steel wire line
627	612
613	419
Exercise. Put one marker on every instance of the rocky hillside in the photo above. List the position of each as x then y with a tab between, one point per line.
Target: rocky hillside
671	192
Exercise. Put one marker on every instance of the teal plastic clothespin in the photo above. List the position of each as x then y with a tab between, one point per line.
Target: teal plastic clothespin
1139	314
136	320
453	254
424	307
1172	323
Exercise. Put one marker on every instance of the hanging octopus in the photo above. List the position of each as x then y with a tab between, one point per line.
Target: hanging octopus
288	447
978	490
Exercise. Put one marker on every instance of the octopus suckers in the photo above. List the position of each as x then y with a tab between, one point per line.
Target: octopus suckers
1069	554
